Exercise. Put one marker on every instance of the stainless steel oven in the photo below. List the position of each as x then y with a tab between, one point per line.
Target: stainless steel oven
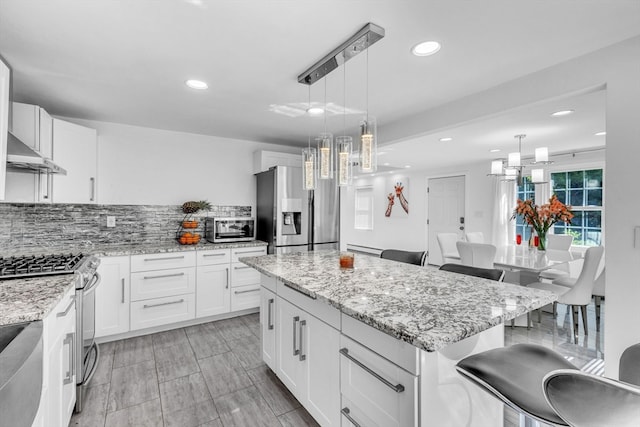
87	352
219	230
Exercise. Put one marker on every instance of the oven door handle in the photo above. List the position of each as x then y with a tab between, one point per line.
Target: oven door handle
94	284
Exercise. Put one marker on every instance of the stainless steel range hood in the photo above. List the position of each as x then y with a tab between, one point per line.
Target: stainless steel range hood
20	155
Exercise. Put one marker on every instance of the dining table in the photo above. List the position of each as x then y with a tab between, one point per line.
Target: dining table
523	264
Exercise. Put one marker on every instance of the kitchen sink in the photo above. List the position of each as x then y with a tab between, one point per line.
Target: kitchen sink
20	373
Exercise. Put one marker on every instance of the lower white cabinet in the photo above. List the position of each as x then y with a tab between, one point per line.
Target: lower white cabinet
162	311
112	296
267	326
58	396
213	290
307	361
245	297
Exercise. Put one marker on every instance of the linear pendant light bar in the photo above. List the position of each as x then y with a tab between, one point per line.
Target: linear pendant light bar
359	42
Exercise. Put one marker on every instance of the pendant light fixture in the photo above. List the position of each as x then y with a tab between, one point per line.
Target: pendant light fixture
344	143
309	162
368	136
325	145
359	42
514	167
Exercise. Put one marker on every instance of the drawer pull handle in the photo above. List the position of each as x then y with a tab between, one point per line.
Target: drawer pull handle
164	258
295	346
163	276
163	303
68	379
398	388
303	356
226	270
222	254
122	301
250	252
241	268
347	414
68	309
247	291
269	322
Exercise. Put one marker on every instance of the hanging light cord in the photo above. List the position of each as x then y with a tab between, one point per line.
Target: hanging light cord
325	104
367	82
344	99
309	127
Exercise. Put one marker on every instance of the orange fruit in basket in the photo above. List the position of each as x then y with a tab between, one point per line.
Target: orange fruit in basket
187	235
182	240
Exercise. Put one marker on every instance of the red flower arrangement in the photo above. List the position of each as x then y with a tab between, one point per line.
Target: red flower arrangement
541	218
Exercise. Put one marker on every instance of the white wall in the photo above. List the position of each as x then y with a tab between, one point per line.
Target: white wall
138	165
409	232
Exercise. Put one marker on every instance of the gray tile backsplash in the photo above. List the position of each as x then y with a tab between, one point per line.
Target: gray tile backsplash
24	225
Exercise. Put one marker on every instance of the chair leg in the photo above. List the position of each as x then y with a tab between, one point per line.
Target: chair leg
583	309
555	309
529	324
539	315
574	310
598	301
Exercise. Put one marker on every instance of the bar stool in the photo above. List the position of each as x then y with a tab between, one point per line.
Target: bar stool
417	258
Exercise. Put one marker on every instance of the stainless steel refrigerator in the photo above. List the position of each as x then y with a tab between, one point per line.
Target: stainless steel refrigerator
291	219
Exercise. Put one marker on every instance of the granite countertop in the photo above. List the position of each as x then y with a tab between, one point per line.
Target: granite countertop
24	300
423	306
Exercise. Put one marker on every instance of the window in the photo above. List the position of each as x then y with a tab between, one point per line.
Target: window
583	190
525	191
364	208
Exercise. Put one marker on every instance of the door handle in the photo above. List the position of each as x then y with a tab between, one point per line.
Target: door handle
269	322
122	301
462	227
68	309
398	388
93	189
68	379
227	273
295	346
347	414
163	276
163	303
303	323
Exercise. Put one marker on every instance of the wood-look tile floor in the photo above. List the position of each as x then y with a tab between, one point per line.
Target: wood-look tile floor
209	375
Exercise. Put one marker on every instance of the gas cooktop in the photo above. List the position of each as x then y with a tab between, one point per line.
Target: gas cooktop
39	265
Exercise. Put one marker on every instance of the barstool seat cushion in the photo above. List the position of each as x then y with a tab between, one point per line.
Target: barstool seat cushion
515	374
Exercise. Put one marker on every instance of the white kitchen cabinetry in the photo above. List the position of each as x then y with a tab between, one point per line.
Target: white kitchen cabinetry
307	354
59	383
112	296
267	325
213	290
162	289
245	281
34	126
5	85
263	160
74	149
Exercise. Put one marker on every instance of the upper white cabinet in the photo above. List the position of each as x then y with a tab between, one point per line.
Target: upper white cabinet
75	149
263	160
5	75
33	126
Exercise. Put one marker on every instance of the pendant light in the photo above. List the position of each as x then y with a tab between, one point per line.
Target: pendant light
344	143
325	145
368	134
309	162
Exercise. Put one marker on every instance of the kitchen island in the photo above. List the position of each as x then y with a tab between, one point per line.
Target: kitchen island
378	344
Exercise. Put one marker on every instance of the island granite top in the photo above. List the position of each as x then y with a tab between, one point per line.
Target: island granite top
423	306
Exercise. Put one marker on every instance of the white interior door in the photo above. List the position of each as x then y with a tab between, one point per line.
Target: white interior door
445	212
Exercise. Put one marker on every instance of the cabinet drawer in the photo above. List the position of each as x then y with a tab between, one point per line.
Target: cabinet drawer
242	275
214	256
161	311
162	261
238	253
162	283
322	311
380	389
245	297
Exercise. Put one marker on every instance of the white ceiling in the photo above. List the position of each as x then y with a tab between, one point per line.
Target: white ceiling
126	61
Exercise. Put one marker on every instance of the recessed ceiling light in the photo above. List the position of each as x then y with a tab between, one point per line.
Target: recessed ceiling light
494	150
197	84
425	48
407	166
315	111
600	133
562	113
446	139
386	164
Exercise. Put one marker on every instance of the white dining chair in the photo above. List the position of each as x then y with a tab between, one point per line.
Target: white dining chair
557	242
475	237
448	249
479	255
579	295
598	291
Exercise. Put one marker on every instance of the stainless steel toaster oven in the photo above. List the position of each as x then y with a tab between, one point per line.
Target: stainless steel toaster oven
219	230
